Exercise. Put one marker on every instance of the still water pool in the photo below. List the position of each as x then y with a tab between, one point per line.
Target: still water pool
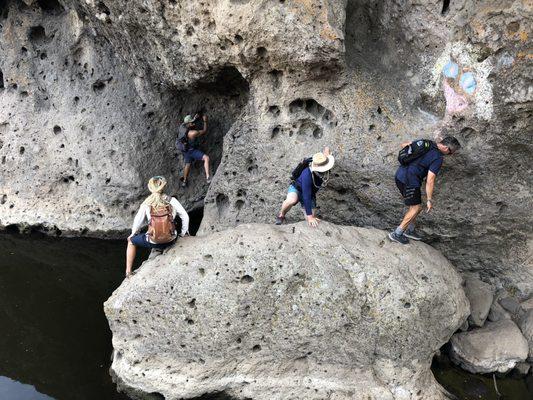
55	343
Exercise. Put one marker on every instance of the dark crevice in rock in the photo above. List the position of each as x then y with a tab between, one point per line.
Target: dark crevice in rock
51	6
363	35
216	396
4	8
195	219
445	7
1	80
222	97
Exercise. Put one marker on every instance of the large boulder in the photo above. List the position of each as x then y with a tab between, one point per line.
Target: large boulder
498	346
526	325
286	312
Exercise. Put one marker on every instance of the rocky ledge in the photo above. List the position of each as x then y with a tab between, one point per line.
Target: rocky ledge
286	312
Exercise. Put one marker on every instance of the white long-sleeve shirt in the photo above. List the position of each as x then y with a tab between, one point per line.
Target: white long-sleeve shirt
143	217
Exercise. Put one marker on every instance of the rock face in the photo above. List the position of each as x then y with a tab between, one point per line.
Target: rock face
286	312
498	346
91	92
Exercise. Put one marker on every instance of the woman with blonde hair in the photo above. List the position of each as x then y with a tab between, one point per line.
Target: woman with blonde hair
159	211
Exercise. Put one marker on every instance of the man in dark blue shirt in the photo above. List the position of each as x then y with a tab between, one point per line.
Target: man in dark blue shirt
409	180
305	187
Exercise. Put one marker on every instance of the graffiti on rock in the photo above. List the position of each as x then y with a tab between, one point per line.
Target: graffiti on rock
459	84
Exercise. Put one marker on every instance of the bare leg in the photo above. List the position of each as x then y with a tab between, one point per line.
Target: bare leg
131	251
205	158
290	201
186	171
410	216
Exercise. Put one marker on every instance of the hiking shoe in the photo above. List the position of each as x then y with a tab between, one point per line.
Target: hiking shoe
208	179
412	235
183	182
280	220
398	238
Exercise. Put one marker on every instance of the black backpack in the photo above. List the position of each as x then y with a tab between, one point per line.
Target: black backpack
183	135
296	172
414	151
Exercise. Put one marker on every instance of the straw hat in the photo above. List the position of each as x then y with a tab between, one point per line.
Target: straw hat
322	163
157	184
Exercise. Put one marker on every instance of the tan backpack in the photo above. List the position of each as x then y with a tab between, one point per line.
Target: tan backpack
161	228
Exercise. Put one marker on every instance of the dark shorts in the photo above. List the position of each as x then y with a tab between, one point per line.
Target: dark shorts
412	196
192	155
141	240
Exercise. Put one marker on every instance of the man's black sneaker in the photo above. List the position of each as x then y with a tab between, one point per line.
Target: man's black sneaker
398	238
412	235
280	220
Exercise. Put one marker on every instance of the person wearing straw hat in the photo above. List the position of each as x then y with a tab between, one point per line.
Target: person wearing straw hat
187	133
304	187
157	207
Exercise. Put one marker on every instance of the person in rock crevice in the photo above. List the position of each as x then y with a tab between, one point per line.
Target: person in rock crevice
313	176
163	208
185	142
409	179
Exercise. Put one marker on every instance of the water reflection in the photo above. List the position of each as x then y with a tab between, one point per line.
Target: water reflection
10	389
54	334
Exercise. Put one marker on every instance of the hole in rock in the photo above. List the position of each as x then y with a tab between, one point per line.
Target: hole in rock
222	202
98	86
262	52
50	6
275	132
274	110
37	35
296	105
256	348
247	279
57	129
103	8
2	86
239	204
314	108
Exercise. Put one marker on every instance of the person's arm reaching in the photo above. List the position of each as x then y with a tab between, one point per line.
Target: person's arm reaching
195	133
434	169
138	221
182	214
405	144
430	185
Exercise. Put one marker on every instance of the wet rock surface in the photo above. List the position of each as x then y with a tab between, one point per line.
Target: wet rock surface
269	312
498	346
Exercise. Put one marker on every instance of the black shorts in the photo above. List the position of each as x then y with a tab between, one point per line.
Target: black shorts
412	196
